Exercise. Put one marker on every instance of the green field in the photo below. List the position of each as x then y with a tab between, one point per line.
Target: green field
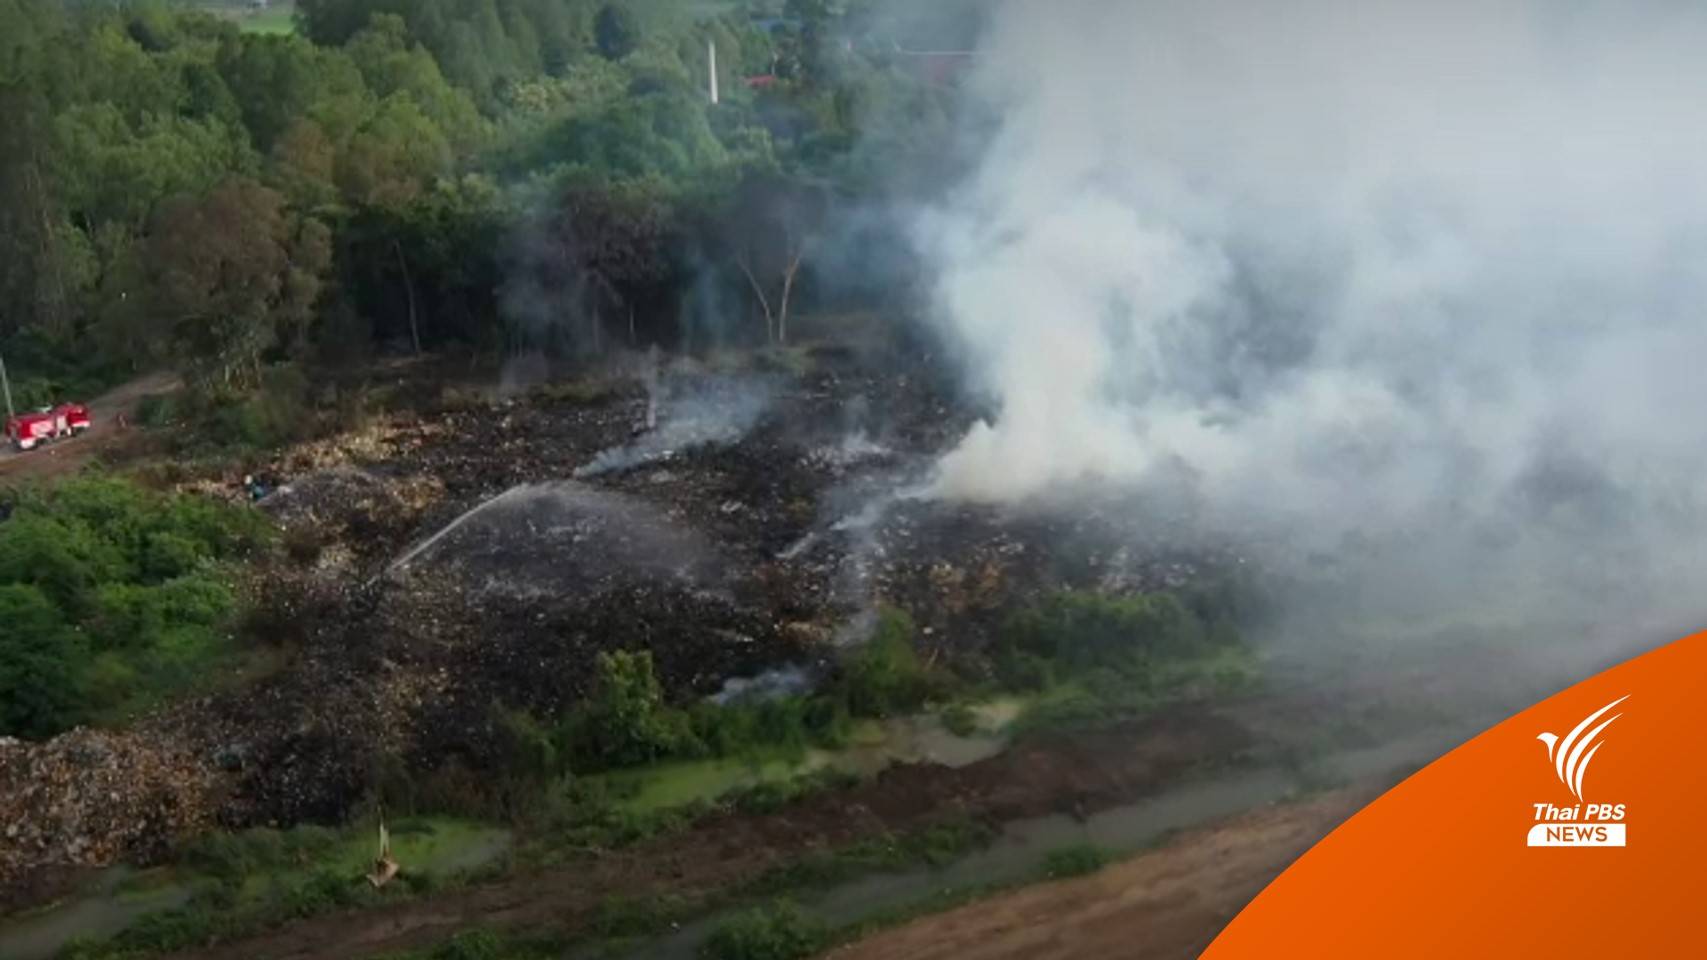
278	17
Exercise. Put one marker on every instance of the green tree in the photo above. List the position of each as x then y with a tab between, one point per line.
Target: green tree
233	273
394	155
305	164
602	250
390	65
122	173
616	31
884	676
430	268
625	721
26	207
277	79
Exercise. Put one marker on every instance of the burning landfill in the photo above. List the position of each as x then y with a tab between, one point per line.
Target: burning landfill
1243	315
740	529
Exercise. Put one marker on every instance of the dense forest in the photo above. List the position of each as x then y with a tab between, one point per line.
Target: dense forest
413	175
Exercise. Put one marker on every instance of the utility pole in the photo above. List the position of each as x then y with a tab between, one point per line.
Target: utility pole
6	385
711	58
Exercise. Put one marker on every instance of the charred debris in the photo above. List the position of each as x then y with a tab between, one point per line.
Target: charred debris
483	552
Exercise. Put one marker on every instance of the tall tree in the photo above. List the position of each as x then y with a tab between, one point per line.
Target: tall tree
602	249
233	273
616	31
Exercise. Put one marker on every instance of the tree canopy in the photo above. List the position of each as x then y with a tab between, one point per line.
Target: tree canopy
174	189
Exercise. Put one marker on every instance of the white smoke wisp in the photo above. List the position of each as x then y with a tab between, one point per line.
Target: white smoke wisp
1354	268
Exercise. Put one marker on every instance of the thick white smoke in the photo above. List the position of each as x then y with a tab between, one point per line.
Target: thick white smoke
1357	268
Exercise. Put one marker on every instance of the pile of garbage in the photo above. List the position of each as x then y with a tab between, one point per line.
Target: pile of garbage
93	797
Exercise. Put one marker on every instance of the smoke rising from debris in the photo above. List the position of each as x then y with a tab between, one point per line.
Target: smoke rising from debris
1351	270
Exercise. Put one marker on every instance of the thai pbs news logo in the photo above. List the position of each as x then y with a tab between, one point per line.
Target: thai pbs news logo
1581	824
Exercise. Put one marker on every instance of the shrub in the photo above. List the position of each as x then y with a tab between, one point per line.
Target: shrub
1074	861
761	798
634	916
1228	671
625	722
167	554
948	840
277	412
884	676
418	883
160	410
1022	671
110	679
1081	630
62	556
828	720
1070	707
196	600
784	723
39	657
529	749
230	857
125	571
960	720
471	945
166	931
781	931
1120	647
322	891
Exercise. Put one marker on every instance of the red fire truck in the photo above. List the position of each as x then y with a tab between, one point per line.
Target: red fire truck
28	430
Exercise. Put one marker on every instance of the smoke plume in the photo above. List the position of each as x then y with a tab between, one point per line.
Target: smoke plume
1427	277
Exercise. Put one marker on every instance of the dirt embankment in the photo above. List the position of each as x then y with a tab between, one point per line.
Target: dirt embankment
1081	774
1166	904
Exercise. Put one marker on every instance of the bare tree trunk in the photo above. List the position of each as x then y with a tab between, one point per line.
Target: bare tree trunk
409	288
49	248
764	302
787	292
633	341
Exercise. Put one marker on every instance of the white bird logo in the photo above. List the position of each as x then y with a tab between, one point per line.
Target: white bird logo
1571	756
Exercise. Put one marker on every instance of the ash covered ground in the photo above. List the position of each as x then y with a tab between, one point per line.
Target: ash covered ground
481	553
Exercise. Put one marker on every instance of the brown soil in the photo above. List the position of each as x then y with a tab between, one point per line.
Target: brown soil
110	418
1086	773
1164	904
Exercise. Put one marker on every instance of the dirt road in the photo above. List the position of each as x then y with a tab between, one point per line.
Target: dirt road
1164	904
105	433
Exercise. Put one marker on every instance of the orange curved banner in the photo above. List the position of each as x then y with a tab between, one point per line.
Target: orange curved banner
1574	829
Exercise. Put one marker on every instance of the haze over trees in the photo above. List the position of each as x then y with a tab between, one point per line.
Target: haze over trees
410	175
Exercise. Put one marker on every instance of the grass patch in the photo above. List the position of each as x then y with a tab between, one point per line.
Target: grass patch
278	18
680	783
